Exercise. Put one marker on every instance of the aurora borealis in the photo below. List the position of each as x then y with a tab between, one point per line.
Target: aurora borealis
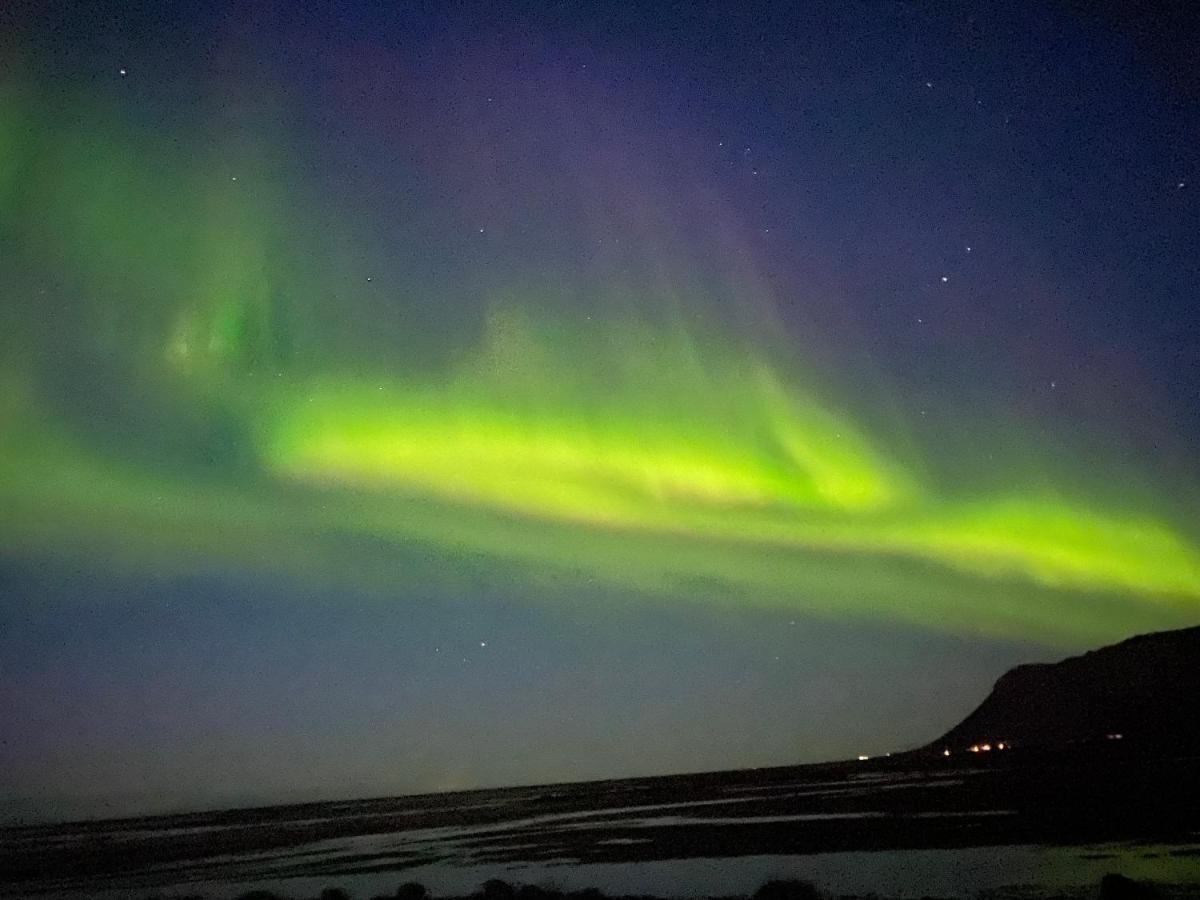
411	329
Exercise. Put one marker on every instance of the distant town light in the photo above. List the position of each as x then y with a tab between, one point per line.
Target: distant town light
1000	746
862	758
946	752
985	747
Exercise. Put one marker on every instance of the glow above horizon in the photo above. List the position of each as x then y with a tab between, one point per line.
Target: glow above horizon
646	446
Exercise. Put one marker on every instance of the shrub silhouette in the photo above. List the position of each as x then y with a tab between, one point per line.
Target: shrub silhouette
495	889
787	889
333	893
412	890
1118	887
536	892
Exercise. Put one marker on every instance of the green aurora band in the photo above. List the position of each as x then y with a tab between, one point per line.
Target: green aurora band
561	455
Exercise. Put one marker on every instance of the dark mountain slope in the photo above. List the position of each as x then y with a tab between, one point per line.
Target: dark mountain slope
1145	689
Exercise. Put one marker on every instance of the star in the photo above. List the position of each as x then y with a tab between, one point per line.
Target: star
122	71
944	279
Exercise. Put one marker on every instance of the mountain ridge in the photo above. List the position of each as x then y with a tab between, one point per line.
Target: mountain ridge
1144	690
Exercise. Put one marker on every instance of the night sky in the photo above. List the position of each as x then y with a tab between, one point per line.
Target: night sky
399	398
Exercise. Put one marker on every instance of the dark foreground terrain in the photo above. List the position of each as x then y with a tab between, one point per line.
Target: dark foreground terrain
1110	887
646	834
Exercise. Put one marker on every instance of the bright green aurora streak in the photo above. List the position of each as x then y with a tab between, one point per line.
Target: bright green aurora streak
656	459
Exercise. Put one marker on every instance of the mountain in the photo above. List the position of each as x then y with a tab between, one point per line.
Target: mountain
1144	691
